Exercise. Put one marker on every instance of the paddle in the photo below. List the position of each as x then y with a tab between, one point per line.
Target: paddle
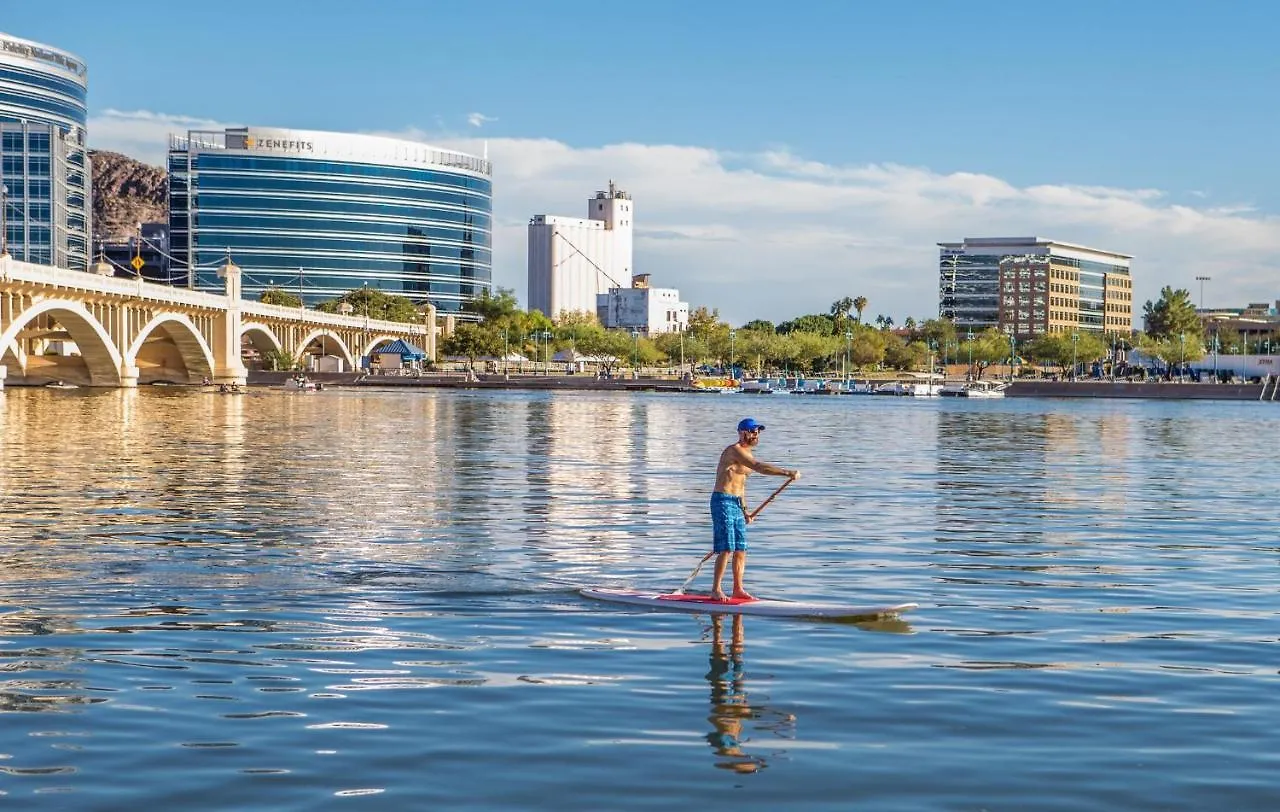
752	516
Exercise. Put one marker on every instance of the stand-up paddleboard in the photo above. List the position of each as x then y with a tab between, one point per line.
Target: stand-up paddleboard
741	606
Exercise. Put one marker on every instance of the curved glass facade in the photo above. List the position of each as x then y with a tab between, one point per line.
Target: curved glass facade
319	214
44	169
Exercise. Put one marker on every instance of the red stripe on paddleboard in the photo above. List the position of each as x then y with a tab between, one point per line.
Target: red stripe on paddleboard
704	599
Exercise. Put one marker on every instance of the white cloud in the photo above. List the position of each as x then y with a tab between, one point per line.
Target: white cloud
479	119
773	235
143	135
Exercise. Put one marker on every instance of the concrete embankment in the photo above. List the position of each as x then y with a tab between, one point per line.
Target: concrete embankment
1121	389
460	381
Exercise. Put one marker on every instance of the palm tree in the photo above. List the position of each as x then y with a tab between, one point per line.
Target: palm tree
880	321
860	304
840	308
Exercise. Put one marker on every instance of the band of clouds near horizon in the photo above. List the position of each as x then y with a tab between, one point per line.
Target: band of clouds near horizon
771	235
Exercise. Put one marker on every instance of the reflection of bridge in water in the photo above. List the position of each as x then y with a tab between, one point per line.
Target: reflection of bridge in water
127	332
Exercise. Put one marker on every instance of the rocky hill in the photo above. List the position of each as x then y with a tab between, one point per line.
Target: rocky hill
126	192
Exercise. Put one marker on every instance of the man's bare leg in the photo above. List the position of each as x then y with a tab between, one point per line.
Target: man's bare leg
722	563
739	569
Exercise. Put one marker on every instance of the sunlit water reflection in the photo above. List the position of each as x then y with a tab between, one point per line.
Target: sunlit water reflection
356	599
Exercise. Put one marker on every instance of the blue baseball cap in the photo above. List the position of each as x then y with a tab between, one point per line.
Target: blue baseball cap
750	424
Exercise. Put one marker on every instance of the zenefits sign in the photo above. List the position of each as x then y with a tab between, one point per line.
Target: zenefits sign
252	142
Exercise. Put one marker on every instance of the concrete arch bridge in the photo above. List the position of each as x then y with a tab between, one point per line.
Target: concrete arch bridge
95	330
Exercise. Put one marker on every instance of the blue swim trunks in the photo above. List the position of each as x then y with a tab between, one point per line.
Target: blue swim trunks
728	523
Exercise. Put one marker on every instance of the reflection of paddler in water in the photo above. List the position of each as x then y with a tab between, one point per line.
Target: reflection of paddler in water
730	708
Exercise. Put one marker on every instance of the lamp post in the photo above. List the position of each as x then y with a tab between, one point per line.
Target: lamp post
682	352
732	335
1075	339
1182	357
848	344
635	353
1202	280
505	351
1013	354
968	340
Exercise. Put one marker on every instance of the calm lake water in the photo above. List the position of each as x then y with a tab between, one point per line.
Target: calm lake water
366	600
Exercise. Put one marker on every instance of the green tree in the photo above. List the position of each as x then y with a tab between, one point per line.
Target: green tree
613	346
841	308
903	355
940	331
472	341
989	347
276	296
860	304
705	324
279	360
759	325
867	348
371	302
1171	315
818	323
501	305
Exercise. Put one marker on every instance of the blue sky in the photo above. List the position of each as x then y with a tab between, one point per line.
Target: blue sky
872	130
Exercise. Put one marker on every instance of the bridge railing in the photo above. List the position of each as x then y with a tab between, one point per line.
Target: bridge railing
12	270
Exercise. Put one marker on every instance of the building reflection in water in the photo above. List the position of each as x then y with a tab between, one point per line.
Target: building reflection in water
1013	487
741	728
605	473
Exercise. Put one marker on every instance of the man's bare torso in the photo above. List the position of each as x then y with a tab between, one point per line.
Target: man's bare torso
732	469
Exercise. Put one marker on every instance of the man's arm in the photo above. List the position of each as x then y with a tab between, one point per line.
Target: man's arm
761	467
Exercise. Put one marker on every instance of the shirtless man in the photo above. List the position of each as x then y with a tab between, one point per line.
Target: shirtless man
729	516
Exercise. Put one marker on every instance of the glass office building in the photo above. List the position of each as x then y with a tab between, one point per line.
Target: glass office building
318	214
1025	286
44	170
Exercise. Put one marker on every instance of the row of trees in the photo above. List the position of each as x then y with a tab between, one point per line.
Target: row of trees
836	341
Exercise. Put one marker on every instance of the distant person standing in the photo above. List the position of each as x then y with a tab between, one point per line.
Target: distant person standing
729	515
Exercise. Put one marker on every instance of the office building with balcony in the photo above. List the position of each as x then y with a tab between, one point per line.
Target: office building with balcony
319	214
1025	286
44	168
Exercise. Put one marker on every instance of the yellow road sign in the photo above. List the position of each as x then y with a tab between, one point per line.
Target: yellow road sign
137	263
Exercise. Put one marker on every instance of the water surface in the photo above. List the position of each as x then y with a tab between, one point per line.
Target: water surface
366	600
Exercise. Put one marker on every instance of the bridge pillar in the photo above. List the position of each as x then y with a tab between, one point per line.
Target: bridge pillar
227	364
4	372
128	376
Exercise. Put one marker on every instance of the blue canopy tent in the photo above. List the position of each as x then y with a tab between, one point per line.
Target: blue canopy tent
402	348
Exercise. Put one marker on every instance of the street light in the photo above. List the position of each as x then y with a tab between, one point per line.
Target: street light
968	336
1013	354
732	335
848	341
635	353
1202	280
1182	360
1075	338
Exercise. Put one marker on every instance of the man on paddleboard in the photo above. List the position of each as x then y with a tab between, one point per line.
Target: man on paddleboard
729	516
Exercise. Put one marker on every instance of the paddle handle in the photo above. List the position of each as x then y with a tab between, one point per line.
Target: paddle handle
753	514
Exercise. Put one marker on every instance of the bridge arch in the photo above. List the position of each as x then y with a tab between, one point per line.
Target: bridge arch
96	348
14	351
195	352
260	336
326	335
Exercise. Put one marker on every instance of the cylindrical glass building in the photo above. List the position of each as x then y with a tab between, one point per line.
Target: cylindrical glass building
318	214
44	172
